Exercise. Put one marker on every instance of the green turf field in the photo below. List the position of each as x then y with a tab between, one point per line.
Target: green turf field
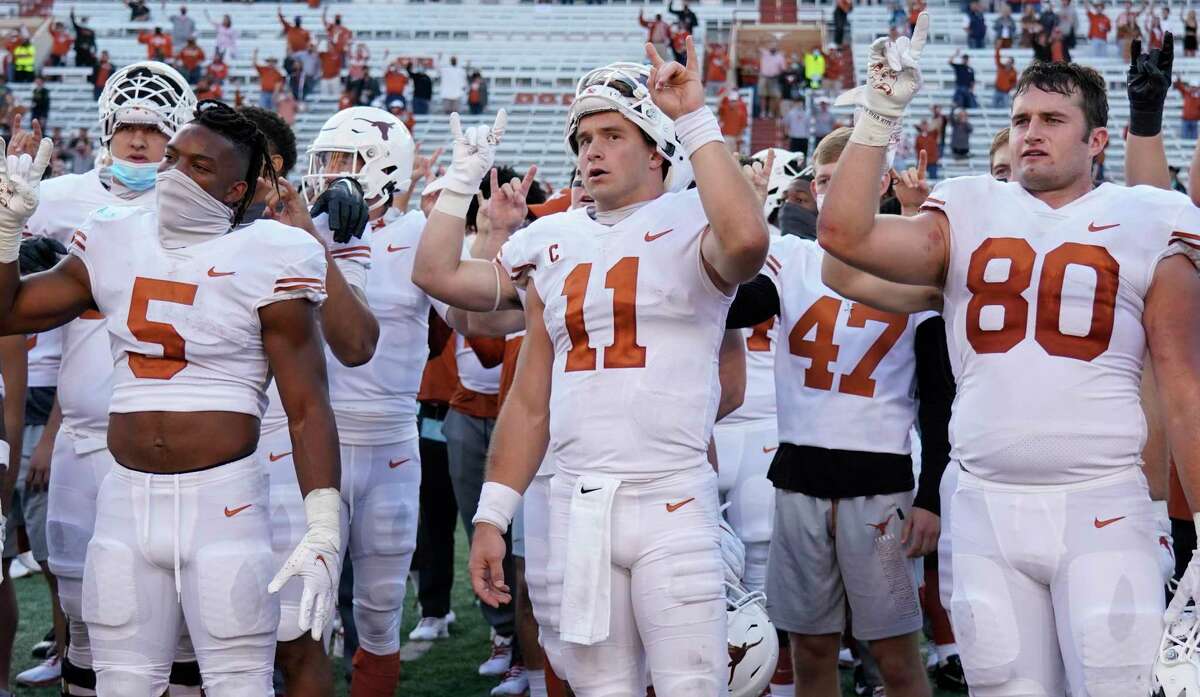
447	670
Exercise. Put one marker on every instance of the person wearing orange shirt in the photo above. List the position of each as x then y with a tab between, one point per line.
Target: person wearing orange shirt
1191	109
339	36
733	117
206	89
395	79
716	65
158	45
297	37
1006	80
346	100
191	57
1099	25
218	69
928	141
269	78
331	69
60	44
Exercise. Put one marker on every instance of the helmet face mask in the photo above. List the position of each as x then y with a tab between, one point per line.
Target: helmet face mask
149	93
366	144
621	87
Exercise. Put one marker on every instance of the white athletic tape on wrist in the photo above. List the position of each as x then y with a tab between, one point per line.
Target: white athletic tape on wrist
354	272
497	505
453	203
697	129
873	129
10	246
323	511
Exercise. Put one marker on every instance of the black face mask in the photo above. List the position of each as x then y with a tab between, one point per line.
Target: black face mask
797	220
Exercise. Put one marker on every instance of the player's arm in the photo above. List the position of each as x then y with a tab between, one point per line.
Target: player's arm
732	372
735	247
518	446
860	286
470	324
347	323
14	368
1148	83
1156	458
935	390
1194	176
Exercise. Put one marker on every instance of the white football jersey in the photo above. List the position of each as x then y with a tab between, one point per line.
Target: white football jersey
184	323
636	324
45	354
471	373
376	403
845	376
85	372
1043	311
759	401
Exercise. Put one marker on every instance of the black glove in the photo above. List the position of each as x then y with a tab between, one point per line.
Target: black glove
1148	84
348	213
38	254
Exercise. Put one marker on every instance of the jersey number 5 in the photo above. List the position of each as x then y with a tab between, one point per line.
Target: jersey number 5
624	352
1007	295
822	351
172	360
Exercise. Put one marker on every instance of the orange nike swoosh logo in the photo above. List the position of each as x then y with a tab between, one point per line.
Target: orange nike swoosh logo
212	271
1102	523
276	458
1093	227
672	507
390	248
651	238
770	450
396	463
229	513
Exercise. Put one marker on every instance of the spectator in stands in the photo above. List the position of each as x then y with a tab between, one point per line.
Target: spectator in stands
1068	21
771	64
1052	47
1127	28
395	79
399	109
357	71
1154	31
1006	80
83	158
939	122
926	141
841	21
226	36
85	42
657	33
1189	34
897	17
24	60
218	69
39	102
339	36
269	79
60	44
1191	109
101	71
823	122
679	35
960	135
452	84
11	40
1031	28
716	66
295	35
797	123
975	26
837	69
964	81
139	11
331	70
1005	27
285	106
422	93
915	8
346	100
477	93
207	89
1099	25
191	57
158	45
369	89
685	16
310	62
733	117
183	27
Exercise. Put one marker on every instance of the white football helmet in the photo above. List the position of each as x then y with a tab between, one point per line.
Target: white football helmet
379	145
621	87
784	171
1177	665
147	92
753	644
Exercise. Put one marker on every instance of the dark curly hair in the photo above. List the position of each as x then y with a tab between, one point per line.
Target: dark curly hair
279	135
224	120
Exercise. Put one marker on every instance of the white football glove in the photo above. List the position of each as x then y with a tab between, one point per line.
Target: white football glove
1166	547
733	553
19	180
474	151
316	560
893	79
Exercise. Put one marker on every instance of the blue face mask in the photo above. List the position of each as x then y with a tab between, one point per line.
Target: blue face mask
134	176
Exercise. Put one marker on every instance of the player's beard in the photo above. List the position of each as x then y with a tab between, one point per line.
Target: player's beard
187	214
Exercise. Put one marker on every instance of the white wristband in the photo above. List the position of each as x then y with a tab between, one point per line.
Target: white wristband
354	272
874	129
697	129
453	203
10	246
497	506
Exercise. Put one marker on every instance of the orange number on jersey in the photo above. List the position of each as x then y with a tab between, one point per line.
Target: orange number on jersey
822	351
172	360
758	339
858	381
1007	294
625	352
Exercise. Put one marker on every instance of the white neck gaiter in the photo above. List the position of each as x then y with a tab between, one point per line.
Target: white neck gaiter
616	215
187	215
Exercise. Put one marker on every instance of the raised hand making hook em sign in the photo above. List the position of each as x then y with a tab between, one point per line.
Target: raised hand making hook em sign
676	89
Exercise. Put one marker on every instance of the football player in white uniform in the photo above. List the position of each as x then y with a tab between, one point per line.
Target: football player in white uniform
141	107
632	414
1053	290
198	317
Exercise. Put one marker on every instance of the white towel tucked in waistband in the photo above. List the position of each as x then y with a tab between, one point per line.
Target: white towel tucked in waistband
587	583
